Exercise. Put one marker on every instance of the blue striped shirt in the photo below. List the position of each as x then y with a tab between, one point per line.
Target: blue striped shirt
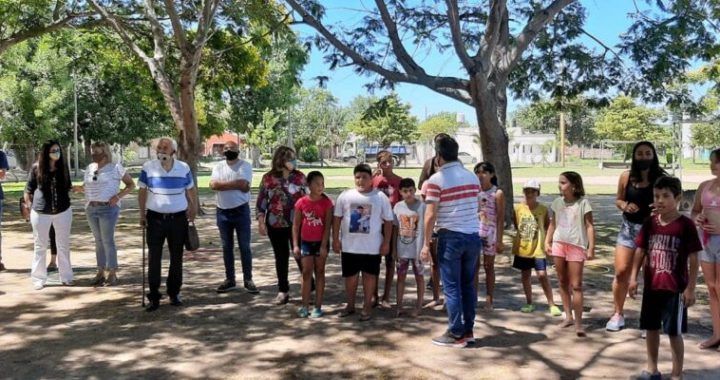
166	189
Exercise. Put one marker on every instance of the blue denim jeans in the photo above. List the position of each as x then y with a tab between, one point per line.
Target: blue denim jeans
237	221
102	221
458	255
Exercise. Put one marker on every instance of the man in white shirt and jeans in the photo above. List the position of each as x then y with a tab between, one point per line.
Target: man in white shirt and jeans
451	207
167	203
231	181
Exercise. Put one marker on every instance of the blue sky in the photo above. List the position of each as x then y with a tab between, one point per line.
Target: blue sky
606	19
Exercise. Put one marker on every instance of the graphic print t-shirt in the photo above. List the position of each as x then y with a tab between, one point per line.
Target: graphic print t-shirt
409	220
362	215
530	235
668	248
313	217
570	221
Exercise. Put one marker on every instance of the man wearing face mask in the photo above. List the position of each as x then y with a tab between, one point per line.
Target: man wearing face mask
231	181
167	203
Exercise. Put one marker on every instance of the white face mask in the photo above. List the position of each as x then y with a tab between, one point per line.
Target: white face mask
54	156
164	156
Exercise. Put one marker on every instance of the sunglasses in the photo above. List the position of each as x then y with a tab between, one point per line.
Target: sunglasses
95	175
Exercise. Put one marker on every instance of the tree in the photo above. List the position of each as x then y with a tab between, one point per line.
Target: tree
493	54
178	33
316	119
543	116
443	122
624	120
24	20
387	121
706	135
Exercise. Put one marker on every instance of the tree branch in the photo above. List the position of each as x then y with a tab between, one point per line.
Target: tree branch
24	35
449	86
533	27
607	48
496	17
458	43
178	29
403	57
158	34
204	23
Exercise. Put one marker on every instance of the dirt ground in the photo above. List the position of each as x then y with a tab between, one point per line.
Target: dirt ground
87	332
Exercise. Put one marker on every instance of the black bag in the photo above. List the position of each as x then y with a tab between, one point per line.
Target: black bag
192	240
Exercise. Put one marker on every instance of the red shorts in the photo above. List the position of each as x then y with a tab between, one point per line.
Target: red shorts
568	251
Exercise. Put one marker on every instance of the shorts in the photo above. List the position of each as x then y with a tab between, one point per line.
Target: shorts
711	253
527	263
568	251
663	309
353	263
310	248
628	233
487	248
403	265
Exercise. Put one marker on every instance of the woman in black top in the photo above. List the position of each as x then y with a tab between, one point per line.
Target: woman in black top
634	199
47	193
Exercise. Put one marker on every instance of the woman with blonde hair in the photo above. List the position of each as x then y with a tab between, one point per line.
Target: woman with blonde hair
102	207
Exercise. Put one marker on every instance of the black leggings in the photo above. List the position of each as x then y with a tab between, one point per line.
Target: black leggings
281	241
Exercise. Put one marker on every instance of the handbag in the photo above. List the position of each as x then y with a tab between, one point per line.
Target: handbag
192	240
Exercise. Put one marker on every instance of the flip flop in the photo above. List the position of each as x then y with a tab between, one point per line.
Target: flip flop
566	323
580	333
365	317
346	313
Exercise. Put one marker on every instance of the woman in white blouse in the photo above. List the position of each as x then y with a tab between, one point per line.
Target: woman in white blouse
102	196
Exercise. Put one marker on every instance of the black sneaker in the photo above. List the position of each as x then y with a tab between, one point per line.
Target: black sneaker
226	286
152	306
176	301
251	288
449	340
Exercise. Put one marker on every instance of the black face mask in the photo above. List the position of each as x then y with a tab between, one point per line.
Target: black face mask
231	155
644	164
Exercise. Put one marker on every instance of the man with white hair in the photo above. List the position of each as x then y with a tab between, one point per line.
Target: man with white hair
167	203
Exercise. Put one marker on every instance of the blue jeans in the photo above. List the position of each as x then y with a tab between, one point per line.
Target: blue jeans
458	255
102	221
235	220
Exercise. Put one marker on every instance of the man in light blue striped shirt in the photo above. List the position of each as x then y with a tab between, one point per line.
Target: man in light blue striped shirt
167	203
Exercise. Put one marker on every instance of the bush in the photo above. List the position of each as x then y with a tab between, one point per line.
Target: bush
310	154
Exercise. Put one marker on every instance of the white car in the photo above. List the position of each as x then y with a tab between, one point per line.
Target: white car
466	158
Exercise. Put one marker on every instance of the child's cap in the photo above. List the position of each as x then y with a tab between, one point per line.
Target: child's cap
532	184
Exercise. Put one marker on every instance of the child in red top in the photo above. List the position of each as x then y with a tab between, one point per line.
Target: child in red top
312	221
668	243
385	180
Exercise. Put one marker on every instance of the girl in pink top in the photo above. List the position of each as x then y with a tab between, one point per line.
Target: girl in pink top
311	234
492	220
706	213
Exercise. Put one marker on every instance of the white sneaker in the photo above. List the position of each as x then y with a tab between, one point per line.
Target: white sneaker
616	323
38	286
643	334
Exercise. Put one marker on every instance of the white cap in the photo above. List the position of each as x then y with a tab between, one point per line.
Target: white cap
532	184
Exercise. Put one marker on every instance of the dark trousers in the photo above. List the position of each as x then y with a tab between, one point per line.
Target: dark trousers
235	221
281	241
172	227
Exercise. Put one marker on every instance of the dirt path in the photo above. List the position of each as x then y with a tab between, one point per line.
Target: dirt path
86	332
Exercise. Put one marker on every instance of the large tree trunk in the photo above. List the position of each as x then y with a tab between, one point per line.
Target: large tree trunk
188	131
494	141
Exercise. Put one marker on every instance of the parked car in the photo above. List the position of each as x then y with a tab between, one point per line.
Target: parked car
466	158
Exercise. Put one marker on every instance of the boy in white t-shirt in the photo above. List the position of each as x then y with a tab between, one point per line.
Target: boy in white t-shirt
408	238
363	218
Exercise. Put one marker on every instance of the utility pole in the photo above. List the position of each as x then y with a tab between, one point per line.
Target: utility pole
77	147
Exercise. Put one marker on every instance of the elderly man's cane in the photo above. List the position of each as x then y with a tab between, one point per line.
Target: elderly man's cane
142	295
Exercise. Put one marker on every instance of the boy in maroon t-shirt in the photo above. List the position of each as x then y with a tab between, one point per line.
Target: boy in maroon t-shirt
670	243
311	235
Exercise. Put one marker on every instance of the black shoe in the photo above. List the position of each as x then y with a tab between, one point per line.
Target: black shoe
429	285
52	268
227	286
251	288
152	306
176	301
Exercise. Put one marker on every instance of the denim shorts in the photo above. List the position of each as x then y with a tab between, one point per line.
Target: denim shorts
528	263
628	233
310	248
711	253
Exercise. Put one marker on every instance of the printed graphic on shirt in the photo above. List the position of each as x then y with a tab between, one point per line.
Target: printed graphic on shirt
527	230
360	218
311	219
408	226
663	251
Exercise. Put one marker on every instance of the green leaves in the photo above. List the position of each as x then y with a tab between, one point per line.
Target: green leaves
444	122
386	121
624	120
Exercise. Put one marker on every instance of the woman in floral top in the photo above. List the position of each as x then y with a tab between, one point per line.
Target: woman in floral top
280	188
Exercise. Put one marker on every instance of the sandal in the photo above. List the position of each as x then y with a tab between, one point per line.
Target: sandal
346	313
365	317
566	323
580	333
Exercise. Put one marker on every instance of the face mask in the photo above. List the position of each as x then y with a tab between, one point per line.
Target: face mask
291	165
231	155
96	157
644	164
54	156
163	156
